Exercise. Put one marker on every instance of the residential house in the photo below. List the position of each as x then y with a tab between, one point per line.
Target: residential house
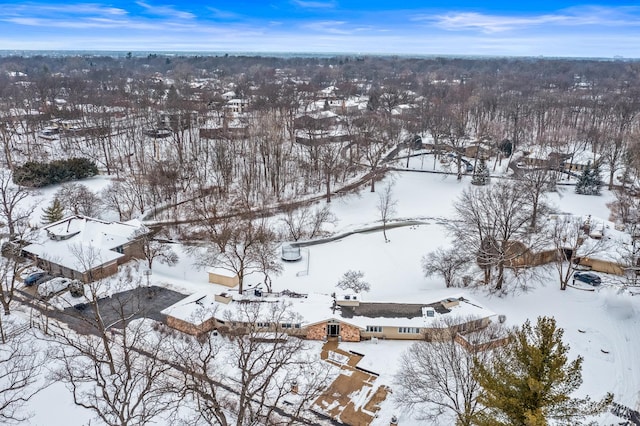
237	106
601	248
85	248
320	317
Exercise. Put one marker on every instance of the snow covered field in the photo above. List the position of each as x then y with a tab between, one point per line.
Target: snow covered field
602	326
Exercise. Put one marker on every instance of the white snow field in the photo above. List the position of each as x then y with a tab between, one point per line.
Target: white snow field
602	326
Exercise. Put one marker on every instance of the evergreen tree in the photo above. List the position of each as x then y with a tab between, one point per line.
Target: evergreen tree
596	180
53	213
529	381
590	180
583	184
481	174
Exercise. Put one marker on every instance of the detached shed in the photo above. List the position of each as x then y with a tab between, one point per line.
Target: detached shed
223	277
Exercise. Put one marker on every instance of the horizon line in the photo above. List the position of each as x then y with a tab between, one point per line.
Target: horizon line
303	54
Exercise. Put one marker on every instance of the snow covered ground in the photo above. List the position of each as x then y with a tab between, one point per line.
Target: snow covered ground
602	326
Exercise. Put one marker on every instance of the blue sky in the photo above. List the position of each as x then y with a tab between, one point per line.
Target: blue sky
455	27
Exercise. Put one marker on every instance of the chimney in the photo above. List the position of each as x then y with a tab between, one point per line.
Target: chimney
294	387
394	421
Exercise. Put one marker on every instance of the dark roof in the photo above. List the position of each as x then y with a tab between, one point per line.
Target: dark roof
390	310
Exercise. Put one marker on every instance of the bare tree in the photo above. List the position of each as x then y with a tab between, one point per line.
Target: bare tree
373	142
493	226
119	197
386	208
10	266
20	367
353	280
331	162
114	368
571	238
200	360
240	246
245	377
79	200
14	210
306	222
268	370
436	378
155	249
446	263
536	183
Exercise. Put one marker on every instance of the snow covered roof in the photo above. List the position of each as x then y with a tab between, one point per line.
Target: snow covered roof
82	243
456	310
317	308
221	271
584	157
605	242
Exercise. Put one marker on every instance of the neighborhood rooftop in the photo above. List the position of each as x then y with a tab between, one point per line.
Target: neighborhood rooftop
80	242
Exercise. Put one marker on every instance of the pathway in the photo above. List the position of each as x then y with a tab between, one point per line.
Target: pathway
353	398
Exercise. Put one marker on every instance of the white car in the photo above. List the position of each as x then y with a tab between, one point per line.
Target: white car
53	286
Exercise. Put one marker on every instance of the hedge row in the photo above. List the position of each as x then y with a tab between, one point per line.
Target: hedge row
37	174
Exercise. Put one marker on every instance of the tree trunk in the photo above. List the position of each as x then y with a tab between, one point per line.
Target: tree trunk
534	213
611	173
328	184
500	279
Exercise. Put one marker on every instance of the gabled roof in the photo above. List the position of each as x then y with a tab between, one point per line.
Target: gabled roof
318	308
82	243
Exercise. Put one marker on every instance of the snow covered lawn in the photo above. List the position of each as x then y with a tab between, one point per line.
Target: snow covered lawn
603	325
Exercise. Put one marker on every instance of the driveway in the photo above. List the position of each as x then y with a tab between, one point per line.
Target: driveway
142	302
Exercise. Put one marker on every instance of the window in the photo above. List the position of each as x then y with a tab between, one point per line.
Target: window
287	325
408	330
263	324
374	329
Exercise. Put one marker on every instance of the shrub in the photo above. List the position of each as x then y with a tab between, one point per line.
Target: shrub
37	174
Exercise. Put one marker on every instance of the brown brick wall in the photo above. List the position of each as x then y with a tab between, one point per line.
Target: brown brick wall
189	328
130	250
349	333
317	331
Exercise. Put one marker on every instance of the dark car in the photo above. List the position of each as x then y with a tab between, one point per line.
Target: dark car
33	278
587	278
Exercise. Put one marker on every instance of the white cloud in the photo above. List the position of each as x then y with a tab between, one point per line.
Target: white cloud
166	11
38	9
330	27
492	23
314	4
223	14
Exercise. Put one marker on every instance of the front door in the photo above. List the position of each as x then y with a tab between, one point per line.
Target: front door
333	330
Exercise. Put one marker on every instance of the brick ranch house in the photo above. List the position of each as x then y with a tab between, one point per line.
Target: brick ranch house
85	248
321	317
601	248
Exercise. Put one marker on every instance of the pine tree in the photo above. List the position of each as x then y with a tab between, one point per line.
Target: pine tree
528	382
481	174
596	180
584	180
53	213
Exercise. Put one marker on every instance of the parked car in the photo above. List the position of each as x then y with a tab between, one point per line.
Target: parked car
587	278
33	278
53	286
